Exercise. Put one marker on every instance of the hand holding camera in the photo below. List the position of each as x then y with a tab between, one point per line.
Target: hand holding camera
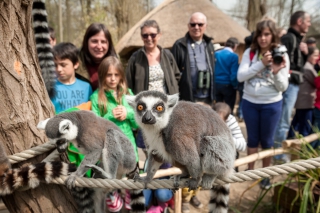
266	58
278	61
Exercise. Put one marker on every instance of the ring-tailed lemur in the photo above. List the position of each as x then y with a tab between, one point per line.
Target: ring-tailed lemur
44	49
100	140
189	136
29	176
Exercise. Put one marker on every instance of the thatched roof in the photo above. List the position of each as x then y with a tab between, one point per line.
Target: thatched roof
173	16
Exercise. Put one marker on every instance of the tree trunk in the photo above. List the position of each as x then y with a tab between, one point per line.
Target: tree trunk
24	102
256	10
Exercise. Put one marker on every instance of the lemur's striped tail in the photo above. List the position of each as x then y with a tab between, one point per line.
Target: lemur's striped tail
219	198
84	198
32	175
137	201
44	49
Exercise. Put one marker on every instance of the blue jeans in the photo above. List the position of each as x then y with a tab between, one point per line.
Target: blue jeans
162	195
316	113
261	120
240	89
288	102
301	122
226	93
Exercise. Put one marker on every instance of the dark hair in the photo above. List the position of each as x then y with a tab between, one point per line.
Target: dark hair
311	40
222	108
311	50
52	33
260	27
150	23
232	42
92	30
66	50
295	16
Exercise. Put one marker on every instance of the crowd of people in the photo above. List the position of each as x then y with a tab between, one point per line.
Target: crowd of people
277	73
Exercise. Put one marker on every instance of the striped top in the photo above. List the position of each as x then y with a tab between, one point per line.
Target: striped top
237	135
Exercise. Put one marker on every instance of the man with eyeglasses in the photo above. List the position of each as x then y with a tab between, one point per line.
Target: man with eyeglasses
194	54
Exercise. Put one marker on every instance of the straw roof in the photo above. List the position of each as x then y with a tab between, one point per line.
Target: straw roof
173	16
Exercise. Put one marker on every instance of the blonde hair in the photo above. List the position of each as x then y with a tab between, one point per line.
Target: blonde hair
122	87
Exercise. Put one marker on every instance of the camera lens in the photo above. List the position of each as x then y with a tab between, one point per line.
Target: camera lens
277	59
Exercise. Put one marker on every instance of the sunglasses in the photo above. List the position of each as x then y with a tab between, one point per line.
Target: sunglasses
152	35
194	24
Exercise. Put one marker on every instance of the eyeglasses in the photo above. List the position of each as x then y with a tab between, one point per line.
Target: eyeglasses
194	24
152	35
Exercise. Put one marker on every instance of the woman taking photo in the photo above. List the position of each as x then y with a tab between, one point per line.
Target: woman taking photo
265	80
97	44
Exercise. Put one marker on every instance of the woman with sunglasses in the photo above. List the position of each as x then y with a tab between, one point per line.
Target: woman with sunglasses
152	67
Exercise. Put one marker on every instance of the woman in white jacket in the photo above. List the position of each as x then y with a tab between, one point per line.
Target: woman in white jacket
265	80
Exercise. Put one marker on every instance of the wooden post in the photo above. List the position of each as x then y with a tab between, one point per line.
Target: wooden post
177	201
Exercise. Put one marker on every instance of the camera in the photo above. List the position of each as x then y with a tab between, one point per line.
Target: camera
277	54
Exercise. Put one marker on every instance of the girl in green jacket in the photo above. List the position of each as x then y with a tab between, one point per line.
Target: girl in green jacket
109	102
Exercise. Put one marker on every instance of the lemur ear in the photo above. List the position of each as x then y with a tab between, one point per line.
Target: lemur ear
64	126
43	124
173	99
131	99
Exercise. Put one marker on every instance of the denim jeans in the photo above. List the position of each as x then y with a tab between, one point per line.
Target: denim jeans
240	89
302	123
261	121
288	102
162	195
316	113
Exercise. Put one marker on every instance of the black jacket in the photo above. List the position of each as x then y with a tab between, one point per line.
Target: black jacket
288	41
180	53
137	71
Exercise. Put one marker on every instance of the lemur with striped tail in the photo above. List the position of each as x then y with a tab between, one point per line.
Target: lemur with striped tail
100	140
44	48
29	176
190	136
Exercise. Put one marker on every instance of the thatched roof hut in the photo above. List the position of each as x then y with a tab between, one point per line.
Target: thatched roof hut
173	16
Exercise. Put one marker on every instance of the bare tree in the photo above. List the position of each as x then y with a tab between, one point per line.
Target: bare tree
256	10
24	101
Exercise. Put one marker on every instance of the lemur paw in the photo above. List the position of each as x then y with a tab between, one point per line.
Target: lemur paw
144	180
206	184
176	180
193	184
207	181
71	181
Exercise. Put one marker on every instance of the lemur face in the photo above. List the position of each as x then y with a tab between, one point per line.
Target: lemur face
153	107
60	131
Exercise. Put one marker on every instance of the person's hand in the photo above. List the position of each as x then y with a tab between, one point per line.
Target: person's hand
275	68
120	113
304	48
116	112
266	58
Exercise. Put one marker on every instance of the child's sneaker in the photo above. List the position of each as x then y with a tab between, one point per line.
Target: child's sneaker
155	209
114	201
265	183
